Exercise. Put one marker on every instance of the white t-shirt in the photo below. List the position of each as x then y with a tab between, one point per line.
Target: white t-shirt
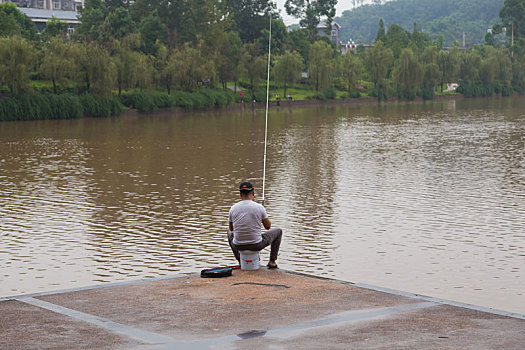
247	217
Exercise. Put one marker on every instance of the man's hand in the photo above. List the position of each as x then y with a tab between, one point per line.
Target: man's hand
230	226
267	223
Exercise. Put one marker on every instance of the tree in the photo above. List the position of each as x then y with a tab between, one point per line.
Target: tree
55	27
310	13
448	66
470	63
57	62
518	75
17	60
378	62
146	72
186	21
419	39
92	17
279	37
408	74
288	68
187	67
297	40
250	17
151	30
125	61
14	22
396	39
321	64
254	65
381	33
118	24
95	67
431	78
228	62
512	16
164	67
351	68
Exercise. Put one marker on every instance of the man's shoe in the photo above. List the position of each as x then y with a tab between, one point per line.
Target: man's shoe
272	266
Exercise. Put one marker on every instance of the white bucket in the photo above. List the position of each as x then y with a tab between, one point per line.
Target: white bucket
249	260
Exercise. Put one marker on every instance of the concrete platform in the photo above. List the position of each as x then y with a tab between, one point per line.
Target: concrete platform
265	309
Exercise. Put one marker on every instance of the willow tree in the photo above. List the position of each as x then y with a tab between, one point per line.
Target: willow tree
188	67
95	68
408	74
322	64
470	63
351	68
253	65
448	66
17	60
378	61
126	61
288	68
58	64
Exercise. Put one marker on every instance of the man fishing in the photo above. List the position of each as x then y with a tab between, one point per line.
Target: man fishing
244	232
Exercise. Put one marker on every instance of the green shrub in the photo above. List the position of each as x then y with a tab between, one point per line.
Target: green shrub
207	97
330	94
354	94
182	99
320	96
52	106
427	93
507	90
100	107
260	96
9	109
151	101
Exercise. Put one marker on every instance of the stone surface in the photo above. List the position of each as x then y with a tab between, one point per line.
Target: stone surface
266	309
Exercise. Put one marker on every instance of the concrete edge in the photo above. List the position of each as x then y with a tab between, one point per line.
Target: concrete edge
417	296
95	286
354	284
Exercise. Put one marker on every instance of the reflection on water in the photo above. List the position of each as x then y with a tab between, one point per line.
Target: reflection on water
427	198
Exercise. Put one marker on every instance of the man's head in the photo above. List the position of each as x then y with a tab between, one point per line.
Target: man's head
246	190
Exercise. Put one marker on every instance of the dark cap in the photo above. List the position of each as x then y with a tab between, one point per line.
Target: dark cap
246	186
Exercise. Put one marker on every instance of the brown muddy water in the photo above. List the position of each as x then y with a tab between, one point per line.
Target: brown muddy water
421	197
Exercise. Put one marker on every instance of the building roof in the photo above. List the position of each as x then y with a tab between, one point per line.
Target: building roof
45	15
323	24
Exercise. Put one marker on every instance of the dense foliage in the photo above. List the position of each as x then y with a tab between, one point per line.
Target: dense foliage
191	53
450	18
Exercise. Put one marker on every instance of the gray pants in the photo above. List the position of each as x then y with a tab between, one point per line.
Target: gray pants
271	237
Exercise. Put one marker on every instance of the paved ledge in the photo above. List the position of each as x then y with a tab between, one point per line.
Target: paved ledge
268	309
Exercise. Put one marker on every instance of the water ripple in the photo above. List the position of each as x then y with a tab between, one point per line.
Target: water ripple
427	198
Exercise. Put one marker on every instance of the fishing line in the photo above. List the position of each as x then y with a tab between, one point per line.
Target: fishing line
266	122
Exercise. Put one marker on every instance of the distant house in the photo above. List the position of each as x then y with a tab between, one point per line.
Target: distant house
41	11
64	5
323	28
40	17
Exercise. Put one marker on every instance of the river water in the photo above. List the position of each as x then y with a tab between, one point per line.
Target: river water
421	197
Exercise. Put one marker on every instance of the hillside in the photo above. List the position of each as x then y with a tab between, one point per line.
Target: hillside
448	17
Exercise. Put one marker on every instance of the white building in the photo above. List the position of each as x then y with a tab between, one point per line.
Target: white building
65	5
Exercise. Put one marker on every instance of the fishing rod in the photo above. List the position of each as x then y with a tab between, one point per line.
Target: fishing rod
266	121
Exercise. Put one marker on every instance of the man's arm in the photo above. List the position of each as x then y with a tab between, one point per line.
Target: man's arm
267	223
230	224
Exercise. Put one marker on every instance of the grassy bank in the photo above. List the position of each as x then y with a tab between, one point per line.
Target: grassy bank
49	106
36	105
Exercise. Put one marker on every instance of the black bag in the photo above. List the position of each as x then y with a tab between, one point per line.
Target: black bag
216	272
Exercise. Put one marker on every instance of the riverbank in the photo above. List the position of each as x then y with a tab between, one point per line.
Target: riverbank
294	104
251	309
